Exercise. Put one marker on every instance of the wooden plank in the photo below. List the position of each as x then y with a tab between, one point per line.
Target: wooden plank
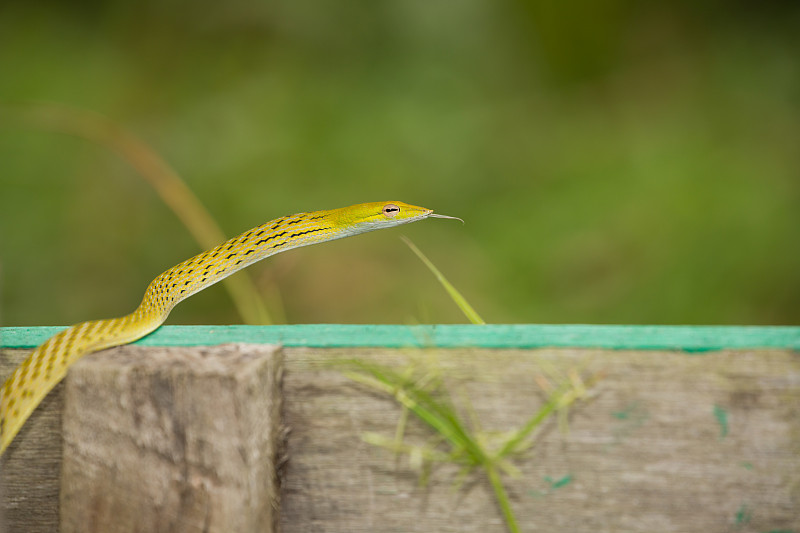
172	440
675	440
672	442
690	338
30	467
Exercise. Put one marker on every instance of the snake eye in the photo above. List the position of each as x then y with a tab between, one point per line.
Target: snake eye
390	210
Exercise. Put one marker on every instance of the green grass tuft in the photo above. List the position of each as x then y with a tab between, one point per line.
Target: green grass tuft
420	389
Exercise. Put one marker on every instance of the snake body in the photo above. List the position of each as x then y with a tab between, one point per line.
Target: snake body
48	364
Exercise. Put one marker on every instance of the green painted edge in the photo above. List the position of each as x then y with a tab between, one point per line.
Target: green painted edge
685	338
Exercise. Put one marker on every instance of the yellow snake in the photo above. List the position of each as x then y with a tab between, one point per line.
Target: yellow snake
48	364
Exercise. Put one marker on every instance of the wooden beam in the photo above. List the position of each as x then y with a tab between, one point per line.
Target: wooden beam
171	440
693	437
670	442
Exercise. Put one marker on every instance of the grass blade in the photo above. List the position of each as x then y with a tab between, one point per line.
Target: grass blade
456	296
169	186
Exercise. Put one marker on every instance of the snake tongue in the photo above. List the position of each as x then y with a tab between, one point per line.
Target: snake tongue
436	215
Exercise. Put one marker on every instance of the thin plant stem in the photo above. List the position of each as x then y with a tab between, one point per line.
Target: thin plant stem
502	497
456	296
534	422
164	179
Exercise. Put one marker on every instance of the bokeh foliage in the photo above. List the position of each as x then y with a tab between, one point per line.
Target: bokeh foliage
615	161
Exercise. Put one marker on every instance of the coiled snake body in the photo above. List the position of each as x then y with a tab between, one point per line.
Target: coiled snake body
48	364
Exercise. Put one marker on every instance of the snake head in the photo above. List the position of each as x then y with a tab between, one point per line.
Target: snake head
376	215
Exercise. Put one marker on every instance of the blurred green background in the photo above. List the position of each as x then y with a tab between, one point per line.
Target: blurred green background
615	161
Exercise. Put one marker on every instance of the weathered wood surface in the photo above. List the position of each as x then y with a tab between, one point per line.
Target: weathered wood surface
165	439
672	442
31	466
172	440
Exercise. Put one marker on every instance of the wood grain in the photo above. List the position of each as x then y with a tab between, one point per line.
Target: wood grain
31	466
172	440
154	440
672	442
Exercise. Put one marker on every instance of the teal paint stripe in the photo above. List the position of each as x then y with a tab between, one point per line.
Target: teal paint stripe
687	338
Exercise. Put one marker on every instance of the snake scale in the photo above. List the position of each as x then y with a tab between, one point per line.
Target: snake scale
48	364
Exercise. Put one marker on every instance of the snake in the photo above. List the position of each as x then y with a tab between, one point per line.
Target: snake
47	365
